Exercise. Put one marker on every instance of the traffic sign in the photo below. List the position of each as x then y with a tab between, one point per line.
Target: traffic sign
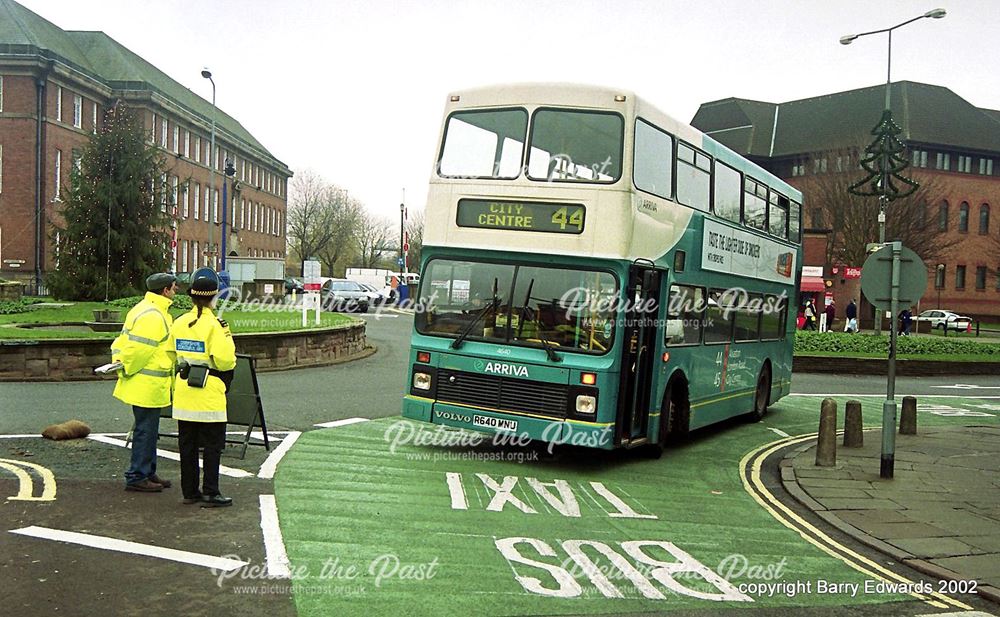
876	278
399	261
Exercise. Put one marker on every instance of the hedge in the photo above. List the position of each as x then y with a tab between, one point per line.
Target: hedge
843	342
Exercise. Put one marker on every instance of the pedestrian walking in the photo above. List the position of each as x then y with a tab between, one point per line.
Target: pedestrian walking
147	357
830	312
206	357
810	315
851	314
905	321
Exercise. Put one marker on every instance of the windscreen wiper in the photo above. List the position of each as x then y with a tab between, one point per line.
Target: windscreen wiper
493	305
550	352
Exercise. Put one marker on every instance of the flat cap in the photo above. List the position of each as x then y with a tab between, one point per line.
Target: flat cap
157	282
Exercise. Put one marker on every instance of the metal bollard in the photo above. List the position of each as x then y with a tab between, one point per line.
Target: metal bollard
826	444
908	418
854	437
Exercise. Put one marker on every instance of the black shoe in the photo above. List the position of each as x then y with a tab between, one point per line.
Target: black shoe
215	501
191	500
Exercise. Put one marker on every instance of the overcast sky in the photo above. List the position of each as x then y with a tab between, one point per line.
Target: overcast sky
354	89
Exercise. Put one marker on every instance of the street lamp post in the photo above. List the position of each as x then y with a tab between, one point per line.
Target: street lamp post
939	282
207	74
230	172
847	40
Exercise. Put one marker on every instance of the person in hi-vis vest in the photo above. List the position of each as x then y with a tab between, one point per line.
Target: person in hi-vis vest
206	357
147	357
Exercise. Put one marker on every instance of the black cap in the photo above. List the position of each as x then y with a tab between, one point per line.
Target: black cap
159	281
204	283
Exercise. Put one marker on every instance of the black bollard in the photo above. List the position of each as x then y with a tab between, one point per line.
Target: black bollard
854	437
826	444
908	418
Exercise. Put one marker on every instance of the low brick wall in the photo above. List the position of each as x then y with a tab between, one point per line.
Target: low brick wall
74	360
878	366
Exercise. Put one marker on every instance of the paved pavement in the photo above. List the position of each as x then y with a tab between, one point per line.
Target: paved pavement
940	514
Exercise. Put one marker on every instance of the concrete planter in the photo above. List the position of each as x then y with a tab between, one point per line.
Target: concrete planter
107	316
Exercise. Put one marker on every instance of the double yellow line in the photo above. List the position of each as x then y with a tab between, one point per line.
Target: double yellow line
750	468
26	486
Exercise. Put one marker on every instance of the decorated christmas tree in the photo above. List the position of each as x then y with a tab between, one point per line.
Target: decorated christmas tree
885	161
115	228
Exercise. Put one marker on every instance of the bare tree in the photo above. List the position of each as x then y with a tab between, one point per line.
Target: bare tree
853	220
371	236
321	218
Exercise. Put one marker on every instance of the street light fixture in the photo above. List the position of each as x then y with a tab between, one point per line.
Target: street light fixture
207	74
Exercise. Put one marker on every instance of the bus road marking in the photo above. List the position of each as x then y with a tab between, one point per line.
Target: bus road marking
223	564
231	472
778	431
26	486
750	475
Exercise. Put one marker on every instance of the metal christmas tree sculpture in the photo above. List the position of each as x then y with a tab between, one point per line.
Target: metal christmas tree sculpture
884	161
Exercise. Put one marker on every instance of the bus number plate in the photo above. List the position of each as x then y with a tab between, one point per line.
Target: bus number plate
499	424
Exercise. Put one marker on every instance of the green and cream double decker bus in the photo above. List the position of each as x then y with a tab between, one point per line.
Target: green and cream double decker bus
596	273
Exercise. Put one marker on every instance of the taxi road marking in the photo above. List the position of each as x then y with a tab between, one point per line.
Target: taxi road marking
26	486
222	564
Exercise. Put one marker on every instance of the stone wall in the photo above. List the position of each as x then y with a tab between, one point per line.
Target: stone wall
74	360
10	291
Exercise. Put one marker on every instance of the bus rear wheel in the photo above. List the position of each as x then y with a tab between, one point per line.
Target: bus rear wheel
760	398
674	412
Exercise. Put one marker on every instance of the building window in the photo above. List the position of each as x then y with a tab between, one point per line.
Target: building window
243	170
163	132
984	219
187	143
215	206
819	166
959	277
195	255
920	158
58	191
177	139
965	164
184	257
1	93
197	149
963	217
174	187
939	276
152	131
980	278
986	167
78	111
943	161
208	205
943	216
163	192
93	111
197	202
186	210
59	103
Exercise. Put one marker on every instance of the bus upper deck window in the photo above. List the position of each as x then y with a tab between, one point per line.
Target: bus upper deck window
483	144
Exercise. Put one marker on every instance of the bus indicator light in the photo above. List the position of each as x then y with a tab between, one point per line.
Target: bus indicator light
424	357
588	379
666	356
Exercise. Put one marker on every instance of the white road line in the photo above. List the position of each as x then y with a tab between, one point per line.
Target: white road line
344	422
134	548
232	472
271	464
898	396
278	565
780	432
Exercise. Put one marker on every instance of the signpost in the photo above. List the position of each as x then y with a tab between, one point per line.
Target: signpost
312	286
892	276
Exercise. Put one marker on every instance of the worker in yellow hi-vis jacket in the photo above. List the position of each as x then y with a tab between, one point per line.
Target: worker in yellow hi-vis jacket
206	357
144	381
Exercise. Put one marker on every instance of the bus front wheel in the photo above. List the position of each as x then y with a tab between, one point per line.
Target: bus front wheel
762	395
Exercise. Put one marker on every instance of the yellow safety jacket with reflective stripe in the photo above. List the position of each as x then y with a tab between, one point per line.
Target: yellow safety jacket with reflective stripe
202	340
145	350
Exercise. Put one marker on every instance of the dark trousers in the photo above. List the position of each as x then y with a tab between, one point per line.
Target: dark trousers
211	436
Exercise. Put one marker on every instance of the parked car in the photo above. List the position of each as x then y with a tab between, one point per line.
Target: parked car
345	296
944	319
294	285
375	296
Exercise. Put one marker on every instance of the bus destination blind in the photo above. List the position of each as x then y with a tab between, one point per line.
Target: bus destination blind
521	216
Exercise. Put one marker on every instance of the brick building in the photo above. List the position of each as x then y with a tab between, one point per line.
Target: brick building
950	142
55	86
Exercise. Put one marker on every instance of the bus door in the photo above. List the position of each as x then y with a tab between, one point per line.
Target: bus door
638	355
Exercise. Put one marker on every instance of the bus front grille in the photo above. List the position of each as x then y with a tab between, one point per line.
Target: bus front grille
502	393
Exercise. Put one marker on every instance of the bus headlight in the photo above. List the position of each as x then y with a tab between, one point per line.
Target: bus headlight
421	381
586	404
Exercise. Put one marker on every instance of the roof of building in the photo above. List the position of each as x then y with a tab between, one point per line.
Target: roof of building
104	59
928	114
